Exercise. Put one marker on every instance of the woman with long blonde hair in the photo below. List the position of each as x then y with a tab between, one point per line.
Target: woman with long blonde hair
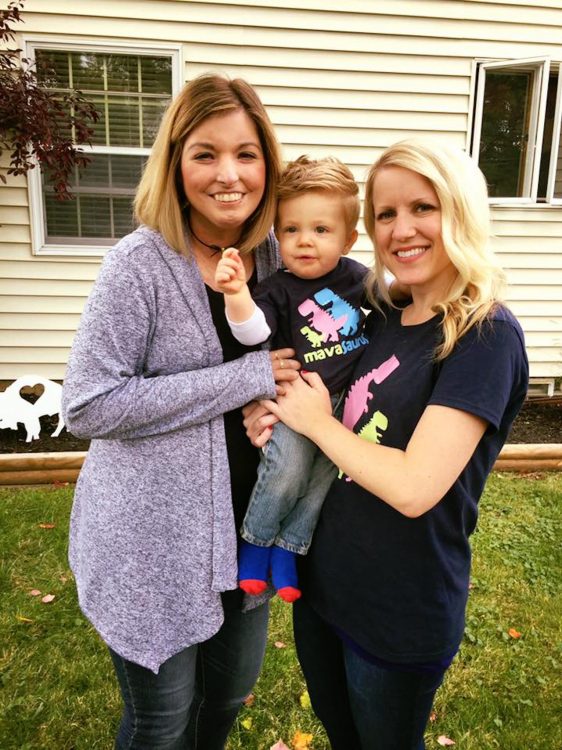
428	409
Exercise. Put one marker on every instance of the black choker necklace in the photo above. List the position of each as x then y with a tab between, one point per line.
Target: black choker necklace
215	248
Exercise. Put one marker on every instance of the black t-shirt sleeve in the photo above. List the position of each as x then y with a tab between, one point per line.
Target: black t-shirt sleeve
487	367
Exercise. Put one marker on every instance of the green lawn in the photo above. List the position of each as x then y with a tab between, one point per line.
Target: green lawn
503	691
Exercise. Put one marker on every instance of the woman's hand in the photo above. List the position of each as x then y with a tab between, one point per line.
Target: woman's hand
258	421
303	403
285	368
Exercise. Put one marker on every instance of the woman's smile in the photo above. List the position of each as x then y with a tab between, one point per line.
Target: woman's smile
228	197
410	253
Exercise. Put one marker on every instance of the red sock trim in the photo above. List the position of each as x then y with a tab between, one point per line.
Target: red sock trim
289	594
253	586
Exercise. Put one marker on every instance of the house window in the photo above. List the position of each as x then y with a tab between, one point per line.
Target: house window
517	124
130	91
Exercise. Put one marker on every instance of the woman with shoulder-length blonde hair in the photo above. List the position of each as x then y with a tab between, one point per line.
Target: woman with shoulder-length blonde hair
160	201
428	409
157	381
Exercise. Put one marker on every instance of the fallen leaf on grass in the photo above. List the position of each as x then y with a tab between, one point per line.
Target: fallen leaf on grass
249	700
48	598
514	633
279	644
445	741
21	618
47	525
56	483
247	722
279	745
301	740
433	716
304	700
35	592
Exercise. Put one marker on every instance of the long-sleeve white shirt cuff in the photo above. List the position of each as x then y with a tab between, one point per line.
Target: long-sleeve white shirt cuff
252	331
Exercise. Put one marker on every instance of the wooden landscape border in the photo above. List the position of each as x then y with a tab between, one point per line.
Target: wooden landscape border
40	468
62	467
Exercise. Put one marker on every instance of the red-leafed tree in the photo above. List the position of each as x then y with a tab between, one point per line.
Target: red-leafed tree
39	124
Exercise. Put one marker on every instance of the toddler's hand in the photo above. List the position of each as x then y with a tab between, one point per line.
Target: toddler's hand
230	276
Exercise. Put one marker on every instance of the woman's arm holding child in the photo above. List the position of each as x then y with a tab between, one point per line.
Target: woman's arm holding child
411	481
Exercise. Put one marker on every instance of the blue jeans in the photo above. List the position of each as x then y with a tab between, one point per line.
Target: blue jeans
294	477
193	701
361	705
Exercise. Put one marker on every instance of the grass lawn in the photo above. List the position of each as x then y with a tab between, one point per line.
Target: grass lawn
504	691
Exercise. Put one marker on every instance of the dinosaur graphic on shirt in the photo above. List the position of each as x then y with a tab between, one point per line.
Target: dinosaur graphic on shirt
338	308
321	320
358	397
371	432
312	337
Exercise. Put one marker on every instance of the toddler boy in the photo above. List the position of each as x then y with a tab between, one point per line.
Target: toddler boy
314	306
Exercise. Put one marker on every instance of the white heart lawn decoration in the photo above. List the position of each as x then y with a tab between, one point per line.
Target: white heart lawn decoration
14	408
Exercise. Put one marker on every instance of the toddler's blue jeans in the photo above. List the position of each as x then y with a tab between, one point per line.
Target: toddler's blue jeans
294	477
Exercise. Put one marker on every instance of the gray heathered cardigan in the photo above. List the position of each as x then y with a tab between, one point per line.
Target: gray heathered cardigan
152	539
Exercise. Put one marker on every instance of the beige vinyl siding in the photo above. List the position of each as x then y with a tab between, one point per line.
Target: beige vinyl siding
344	78
529	244
39	312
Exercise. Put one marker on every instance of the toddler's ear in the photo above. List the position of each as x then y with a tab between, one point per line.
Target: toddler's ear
351	240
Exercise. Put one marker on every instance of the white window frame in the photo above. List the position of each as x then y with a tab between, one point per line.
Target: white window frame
39	243
555	144
536	126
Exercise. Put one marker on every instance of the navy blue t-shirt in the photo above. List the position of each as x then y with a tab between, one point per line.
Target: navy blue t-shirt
321	319
398	586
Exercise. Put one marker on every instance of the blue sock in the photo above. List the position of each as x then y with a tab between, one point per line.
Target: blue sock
283	568
253	564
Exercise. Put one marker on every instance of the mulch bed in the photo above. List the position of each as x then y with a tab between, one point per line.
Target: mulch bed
540	421
13	441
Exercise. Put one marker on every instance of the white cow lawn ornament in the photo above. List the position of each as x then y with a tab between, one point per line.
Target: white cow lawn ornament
14	408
